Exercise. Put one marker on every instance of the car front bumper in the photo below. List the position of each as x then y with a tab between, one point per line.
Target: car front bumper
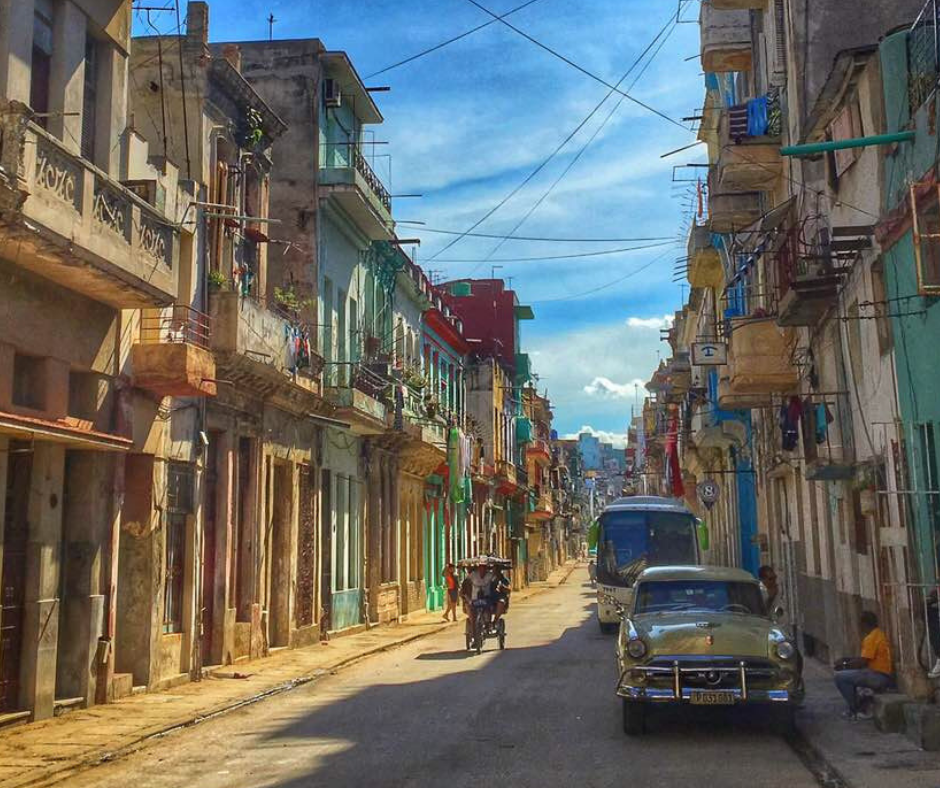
659	695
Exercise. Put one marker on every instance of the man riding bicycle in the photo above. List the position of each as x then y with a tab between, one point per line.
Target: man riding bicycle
477	587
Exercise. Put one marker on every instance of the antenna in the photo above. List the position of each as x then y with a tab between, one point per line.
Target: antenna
271	21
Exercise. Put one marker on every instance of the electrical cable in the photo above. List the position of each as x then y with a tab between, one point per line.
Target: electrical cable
539	168
536	238
598	289
668	29
448	41
563	256
578	67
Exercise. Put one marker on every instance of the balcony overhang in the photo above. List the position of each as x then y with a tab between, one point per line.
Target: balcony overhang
755	165
705	268
366	415
67	221
807	300
759	359
730	212
33	429
349	189
177	369
733	5
725	39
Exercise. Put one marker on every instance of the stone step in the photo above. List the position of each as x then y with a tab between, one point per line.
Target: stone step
122	685
888	711
922	725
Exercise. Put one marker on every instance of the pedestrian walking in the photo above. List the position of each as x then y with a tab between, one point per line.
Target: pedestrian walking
872	670
452	588
592	573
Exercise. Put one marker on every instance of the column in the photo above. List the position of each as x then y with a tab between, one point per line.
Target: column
67	80
40	614
16	37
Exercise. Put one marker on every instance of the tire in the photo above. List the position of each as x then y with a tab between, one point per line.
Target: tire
478	634
501	634
634	718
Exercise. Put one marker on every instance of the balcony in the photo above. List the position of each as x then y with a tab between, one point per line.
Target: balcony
730	212
350	180
364	403
747	163
507	478
172	356
725	39
759	360
826	436
263	351
69	222
538	450
523	368
705	269
541	504
808	285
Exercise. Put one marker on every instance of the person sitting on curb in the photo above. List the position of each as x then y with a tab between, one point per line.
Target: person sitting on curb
872	670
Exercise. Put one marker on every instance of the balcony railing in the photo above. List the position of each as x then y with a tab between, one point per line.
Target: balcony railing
366	171
110	243
176	324
826	430
924	55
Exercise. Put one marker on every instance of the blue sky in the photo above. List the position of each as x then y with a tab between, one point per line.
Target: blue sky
469	122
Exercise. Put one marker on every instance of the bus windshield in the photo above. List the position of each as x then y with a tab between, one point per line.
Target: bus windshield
630	541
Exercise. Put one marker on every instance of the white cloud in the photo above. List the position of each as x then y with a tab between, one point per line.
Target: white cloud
650	322
618	440
607	389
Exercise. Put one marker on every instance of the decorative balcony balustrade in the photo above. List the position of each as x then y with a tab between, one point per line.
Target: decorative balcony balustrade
365	170
347	176
94	236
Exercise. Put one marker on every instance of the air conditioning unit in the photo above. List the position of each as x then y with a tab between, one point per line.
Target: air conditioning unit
331	93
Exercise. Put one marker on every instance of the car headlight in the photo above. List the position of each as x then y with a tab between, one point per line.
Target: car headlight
636	648
785	649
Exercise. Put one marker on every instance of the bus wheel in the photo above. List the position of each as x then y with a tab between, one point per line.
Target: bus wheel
607	628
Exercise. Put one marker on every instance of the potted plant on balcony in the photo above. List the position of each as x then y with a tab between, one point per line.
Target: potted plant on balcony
250	131
217	281
290	301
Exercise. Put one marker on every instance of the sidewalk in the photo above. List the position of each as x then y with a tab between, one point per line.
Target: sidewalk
50	751
862	756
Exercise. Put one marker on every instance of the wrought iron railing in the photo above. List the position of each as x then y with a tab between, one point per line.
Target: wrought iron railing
356	159
174	324
923	58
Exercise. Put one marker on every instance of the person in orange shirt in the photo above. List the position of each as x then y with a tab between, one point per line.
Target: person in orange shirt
871	670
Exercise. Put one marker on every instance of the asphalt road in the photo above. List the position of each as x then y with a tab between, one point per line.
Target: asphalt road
541	713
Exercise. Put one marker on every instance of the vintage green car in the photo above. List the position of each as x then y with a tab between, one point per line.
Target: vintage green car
702	635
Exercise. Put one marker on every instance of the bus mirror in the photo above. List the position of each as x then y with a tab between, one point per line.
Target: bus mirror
703	536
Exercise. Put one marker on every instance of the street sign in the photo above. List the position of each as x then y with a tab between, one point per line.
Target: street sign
709	354
708	492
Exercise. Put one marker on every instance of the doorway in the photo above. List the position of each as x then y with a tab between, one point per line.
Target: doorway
208	616
13	579
279	591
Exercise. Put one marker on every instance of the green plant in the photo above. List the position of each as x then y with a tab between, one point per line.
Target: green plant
217	280
287	297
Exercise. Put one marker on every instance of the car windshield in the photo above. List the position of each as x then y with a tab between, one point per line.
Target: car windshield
712	595
629	541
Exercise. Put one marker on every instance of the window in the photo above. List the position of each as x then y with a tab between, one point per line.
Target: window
882	312
179	506
847	125
42	58
90	98
341	336
84	389
326	329
854	330
926	225
29	382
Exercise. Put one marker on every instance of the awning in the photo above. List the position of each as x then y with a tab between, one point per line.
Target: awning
49	431
776	216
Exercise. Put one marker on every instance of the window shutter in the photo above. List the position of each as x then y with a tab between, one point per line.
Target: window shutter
780	43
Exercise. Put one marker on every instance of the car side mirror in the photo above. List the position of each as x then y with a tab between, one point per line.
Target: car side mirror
779	613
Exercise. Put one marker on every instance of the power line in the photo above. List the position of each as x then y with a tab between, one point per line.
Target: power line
448	41
670	25
562	256
578	67
423	229
598	289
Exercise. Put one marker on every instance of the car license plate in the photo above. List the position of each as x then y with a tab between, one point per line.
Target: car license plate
711	698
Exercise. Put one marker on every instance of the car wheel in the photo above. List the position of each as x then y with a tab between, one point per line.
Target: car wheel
634	718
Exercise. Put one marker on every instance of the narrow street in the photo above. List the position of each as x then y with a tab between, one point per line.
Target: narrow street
542	713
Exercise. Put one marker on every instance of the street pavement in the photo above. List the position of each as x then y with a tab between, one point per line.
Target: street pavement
541	713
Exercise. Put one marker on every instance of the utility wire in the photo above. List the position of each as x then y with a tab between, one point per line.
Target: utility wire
537	170
423	229
563	256
578	67
449	41
598	289
666	29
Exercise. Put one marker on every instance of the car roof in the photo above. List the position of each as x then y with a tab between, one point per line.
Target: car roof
646	502
671	573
